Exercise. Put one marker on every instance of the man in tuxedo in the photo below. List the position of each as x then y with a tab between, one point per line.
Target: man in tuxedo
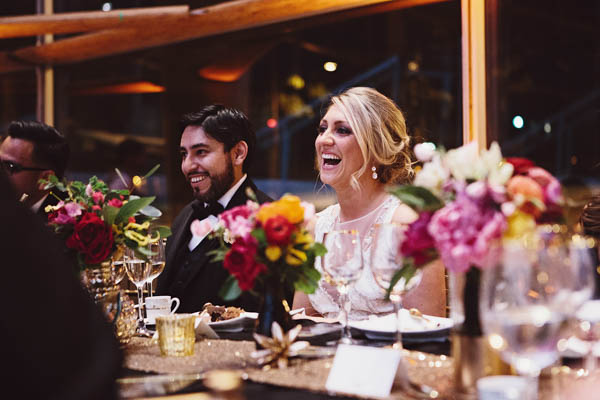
217	146
33	150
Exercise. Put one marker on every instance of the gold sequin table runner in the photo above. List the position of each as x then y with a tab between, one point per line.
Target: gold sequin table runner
436	371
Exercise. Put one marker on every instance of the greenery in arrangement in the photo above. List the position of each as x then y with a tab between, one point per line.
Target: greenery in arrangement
96	221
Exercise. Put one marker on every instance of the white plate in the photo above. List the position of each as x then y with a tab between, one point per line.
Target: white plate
376	328
235	324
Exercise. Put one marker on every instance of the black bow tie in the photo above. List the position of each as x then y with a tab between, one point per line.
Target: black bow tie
203	210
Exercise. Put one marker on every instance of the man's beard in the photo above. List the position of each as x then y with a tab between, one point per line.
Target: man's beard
219	185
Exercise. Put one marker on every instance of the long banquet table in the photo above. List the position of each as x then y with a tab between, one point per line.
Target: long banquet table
146	374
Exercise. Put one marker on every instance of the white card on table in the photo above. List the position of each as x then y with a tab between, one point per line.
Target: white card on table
362	370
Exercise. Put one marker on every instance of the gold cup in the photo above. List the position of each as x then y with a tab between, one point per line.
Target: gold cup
176	334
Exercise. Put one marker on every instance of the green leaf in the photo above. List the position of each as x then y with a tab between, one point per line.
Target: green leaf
110	213
417	197
152	171
144	252
230	289
259	235
217	254
319	249
131	207
407	272
164	231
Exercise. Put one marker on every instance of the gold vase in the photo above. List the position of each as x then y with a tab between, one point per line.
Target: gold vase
101	282
473	356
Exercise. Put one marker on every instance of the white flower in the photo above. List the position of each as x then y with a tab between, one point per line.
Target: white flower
432	175
498	171
424	151
464	162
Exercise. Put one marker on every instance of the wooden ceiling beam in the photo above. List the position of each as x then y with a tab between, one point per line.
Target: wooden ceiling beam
86	21
213	20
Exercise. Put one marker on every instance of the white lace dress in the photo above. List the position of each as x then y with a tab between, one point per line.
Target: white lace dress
366	296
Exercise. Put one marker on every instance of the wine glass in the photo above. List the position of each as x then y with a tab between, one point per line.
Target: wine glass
119	268
523	304
386	261
342	266
138	270
157	261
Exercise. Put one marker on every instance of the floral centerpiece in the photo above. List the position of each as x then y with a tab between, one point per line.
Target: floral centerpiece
96	221
468	202
266	248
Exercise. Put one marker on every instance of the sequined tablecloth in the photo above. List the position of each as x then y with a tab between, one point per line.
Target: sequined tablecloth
308	374
436	371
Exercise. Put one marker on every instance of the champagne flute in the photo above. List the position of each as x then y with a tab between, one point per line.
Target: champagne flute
157	261
342	266
386	260
522	305
138	270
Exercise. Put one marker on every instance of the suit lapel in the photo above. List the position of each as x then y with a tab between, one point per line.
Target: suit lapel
175	241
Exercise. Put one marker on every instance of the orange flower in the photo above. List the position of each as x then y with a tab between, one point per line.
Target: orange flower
288	207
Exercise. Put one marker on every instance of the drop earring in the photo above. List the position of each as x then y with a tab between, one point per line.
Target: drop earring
374	174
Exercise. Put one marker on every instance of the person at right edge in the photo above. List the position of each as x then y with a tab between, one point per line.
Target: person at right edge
217	146
56	342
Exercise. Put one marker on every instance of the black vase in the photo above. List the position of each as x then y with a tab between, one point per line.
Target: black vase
272	308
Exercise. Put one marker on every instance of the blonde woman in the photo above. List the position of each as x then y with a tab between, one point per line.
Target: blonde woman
362	146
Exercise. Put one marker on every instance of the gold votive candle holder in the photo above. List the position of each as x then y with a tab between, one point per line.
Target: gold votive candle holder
176	334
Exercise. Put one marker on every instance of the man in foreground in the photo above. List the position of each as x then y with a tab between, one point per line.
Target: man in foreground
217	146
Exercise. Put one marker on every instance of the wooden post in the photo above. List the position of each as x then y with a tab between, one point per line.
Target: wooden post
473	71
45	73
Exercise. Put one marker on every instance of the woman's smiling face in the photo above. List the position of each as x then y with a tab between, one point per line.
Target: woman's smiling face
338	152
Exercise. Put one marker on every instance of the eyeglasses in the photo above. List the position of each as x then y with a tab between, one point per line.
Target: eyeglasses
12	167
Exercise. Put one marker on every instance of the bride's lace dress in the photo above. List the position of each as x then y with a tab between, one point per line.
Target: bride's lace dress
365	296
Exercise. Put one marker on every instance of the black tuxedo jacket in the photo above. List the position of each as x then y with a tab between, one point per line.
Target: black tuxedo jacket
205	278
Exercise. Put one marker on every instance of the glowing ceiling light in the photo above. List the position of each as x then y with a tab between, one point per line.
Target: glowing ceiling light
518	122
330	66
296	81
547	127
413	66
106	6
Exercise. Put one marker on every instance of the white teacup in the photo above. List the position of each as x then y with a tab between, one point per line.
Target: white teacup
160	305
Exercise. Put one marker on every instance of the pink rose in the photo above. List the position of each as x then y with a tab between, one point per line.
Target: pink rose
97	197
73	209
114	202
237	220
417	242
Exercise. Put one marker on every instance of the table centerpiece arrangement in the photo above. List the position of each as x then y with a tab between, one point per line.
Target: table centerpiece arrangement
97	224
267	248
469	202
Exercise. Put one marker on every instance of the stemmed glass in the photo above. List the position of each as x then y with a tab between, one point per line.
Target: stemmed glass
342	266
138	271
157	261
386	260
525	300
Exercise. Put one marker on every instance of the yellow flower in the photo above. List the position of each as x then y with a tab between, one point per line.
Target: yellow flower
273	253
295	257
519	224
133	225
291	208
137	181
304	238
142	240
267	211
288	207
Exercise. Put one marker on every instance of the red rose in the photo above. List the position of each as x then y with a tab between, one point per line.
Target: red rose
246	280
521	165
240	263
92	237
278	230
239	257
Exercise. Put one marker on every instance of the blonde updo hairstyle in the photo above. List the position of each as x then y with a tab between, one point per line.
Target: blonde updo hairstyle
380	130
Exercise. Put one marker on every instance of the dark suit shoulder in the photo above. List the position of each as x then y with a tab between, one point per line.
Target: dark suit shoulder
261	196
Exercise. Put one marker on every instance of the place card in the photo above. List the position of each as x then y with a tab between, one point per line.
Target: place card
364	371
